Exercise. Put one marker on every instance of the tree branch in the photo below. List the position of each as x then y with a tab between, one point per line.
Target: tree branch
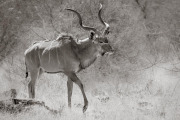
51	16
38	34
143	8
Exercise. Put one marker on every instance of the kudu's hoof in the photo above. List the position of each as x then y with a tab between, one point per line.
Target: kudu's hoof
69	106
85	108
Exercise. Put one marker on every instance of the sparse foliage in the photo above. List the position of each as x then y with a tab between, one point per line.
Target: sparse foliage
143	71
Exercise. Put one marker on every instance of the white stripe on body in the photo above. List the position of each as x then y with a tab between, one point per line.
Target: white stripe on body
49	51
57	56
39	50
31	59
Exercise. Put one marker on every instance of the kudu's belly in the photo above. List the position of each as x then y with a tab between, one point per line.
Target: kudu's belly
59	60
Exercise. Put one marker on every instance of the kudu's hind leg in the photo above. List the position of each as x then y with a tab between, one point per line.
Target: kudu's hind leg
70	87
76	80
31	85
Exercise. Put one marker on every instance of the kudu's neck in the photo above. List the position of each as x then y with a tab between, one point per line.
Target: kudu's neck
88	52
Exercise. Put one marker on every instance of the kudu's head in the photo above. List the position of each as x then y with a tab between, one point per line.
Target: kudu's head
98	38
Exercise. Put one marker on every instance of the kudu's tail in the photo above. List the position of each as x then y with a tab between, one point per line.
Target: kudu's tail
26	70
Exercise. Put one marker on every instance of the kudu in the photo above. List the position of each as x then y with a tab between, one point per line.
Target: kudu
66	56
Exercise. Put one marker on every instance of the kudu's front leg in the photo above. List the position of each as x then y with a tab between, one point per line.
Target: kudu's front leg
76	80
70	87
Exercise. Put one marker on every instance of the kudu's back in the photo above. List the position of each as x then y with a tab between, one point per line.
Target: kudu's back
53	56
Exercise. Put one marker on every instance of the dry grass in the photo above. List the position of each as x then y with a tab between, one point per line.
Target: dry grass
140	81
155	100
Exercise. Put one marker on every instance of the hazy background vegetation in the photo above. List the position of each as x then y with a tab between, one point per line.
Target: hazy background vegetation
140	81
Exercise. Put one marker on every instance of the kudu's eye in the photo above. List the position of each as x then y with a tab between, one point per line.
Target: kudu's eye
92	35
